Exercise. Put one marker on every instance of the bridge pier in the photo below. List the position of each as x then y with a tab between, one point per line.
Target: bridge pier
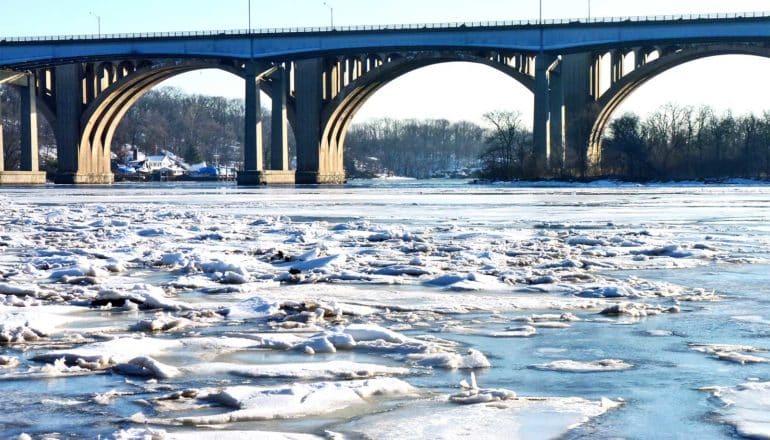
579	78
542	115
279	172
29	172
316	162
254	172
279	131
253	157
79	160
556	109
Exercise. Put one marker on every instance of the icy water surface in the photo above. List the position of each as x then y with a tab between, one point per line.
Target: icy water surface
385	310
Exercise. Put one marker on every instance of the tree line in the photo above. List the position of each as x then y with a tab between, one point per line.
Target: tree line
684	142
413	148
194	127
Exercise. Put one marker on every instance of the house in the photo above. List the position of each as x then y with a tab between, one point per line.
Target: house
157	163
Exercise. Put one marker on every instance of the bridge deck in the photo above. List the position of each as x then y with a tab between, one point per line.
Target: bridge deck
557	36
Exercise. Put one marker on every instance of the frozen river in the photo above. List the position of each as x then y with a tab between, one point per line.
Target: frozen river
385	310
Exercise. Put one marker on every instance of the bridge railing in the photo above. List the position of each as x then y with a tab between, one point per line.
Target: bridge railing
392	27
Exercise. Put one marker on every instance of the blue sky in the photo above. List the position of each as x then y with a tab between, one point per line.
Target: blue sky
429	92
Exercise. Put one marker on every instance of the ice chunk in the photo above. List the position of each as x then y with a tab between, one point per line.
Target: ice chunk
304	371
571	366
147	296
446	280
147	367
484	395
607	292
747	408
509	419
25	325
330	262
253	403
161	323
401	269
8	361
18	289
585	241
732	353
516	332
672	251
317	344
159	434
373	332
452	361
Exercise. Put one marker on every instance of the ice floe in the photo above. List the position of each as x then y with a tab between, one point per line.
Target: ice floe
739	354
252	403
498	415
571	366
747	408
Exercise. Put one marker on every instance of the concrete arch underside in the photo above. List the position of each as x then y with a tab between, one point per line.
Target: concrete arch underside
101	117
339	113
611	100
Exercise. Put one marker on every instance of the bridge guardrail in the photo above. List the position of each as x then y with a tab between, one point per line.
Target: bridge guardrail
391	27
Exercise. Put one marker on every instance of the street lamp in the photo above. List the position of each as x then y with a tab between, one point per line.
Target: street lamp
541	12
249	16
98	23
331	12
589	10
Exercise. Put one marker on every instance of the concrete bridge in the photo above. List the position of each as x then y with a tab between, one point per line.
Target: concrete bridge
318	78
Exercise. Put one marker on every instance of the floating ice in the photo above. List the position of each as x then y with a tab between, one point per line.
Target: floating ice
673	251
607	292
452	361
145	295
147	367
373	332
571	366
510	419
159	434
18	289
304	371
253	403
732	353
747	408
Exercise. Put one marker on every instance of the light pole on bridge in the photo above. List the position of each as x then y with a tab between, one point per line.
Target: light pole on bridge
589	10
331	12
98	23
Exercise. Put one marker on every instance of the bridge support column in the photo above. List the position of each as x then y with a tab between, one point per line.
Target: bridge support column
316	163
542	122
29	138
279	132
580	111
78	164
556	108
29	172
279	173
252	141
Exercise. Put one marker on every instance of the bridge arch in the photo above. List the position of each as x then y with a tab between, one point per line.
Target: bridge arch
102	116
339	112
663	60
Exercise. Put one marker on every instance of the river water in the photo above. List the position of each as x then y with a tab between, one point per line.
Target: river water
181	310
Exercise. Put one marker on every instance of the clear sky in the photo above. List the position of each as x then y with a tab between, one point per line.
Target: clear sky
454	91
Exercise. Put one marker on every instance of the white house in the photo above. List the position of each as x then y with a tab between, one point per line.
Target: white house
155	163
